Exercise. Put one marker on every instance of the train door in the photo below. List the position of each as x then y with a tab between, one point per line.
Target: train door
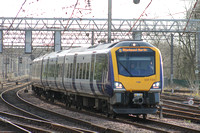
51	72
41	74
85	79
74	72
44	71
38	70
64	71
56	71
59	73
68	68
92	67
100	73
77	77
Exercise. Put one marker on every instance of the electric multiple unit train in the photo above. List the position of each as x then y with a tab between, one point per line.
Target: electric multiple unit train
120	78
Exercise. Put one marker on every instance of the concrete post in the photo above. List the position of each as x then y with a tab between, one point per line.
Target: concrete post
172	54
109	19
57	41
28	42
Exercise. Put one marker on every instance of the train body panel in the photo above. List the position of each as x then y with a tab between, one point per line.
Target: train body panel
124	77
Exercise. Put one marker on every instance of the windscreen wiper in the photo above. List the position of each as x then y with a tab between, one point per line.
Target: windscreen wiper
125	68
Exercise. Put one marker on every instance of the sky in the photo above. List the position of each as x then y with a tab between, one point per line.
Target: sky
121	9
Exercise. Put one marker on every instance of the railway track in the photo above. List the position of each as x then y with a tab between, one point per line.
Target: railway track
166	127
8	126
174	107
47	117
23	121
179	98
35	125
175	111
149	124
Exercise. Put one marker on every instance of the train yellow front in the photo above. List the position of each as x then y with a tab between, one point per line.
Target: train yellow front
120	78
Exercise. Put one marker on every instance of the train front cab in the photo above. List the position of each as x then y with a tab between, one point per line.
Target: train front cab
137	82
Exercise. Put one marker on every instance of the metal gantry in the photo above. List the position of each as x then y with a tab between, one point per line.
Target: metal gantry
98	25
80	31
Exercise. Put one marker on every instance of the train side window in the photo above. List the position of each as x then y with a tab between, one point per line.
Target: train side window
71	68
35	72
66	70
88	71
45	70
60	70
56	69
53	69
81	70
49	72
84	70
99	67
77	70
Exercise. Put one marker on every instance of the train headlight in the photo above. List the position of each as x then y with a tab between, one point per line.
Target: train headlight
156	85
118	86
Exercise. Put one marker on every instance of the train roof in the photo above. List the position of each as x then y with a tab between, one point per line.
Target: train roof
97	47
132	43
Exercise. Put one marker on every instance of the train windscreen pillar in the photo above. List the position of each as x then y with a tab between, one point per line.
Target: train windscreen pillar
28	42
1	41
57	41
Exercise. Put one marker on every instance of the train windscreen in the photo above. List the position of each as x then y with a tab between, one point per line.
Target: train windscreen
135	62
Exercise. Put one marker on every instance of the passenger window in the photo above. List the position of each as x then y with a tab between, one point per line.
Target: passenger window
84	69
100	66
56	70
70	72
77	70
66	70
88	71
81	70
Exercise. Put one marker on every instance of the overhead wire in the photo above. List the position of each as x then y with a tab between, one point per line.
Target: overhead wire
140	17
190	16
15	18
16	15
71	14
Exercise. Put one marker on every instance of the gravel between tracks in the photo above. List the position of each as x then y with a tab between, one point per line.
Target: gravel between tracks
109	124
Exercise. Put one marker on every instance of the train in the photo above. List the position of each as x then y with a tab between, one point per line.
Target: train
124	77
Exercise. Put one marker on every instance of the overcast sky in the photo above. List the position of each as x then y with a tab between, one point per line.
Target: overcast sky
122	9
